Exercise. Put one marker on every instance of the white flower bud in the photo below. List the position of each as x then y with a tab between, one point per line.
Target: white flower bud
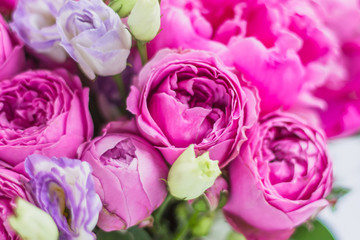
190	176
144	20
32	223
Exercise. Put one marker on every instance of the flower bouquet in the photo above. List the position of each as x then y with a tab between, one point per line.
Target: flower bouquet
147	119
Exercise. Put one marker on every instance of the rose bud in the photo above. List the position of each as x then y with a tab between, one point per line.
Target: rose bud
191	97
32	223
190	176
144	20
280	179
129	176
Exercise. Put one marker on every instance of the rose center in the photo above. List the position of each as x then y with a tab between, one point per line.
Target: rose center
22	109
196	101
288	159
121	156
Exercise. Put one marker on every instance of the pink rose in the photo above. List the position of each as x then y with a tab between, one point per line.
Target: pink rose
128	174
280	180
190	97
42	112
12	57
10	189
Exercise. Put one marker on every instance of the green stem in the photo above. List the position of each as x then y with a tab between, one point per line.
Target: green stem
120	84
141	46
184	231
158	215
121	88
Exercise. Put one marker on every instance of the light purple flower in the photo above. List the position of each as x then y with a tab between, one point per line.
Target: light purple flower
94	36
35	23
64	188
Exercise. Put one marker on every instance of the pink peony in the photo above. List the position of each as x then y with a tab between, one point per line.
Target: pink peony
128	175
282	47
190	97
341	90
280	179
12	57
42	112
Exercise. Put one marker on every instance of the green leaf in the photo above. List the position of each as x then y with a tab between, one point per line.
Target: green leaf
139	233
224	196
203	224
201	204
133	233
315	231
336	194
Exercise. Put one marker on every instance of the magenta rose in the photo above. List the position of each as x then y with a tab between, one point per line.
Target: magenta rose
12	57
129	177
10	189
280	179
190	97
42	112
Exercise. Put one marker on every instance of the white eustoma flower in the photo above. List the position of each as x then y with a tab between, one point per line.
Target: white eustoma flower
32	223
94	36
190	176
144	20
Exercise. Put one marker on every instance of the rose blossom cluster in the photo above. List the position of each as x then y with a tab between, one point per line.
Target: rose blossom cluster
233	98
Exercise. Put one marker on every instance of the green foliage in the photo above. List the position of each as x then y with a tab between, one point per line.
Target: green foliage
201	204
312	231
133	233
336	194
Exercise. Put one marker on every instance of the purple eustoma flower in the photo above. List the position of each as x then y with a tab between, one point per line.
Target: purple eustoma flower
35	23
64	188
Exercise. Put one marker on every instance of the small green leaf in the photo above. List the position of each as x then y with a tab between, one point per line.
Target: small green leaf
133	233
224	196
101	235
336	194
201	204
315	231
203	224
139	233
